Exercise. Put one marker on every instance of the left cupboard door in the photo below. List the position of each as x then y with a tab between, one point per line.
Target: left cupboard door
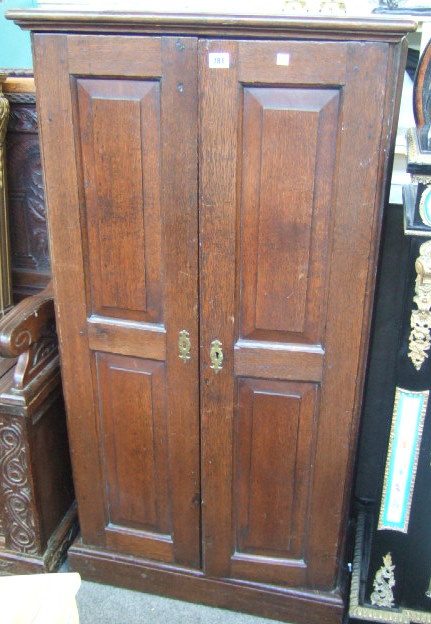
118	126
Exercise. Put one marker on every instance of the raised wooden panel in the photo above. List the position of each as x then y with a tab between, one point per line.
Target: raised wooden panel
119	123
289	141
133	428
273	442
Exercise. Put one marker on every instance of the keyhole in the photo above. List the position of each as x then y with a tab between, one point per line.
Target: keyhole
217	354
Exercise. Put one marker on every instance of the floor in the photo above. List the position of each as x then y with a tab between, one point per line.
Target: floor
111	605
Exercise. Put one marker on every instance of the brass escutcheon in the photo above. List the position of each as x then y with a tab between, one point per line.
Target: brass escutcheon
184	345
216	356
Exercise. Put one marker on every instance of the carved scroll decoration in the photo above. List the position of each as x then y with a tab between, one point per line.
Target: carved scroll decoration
36	358
420	320
384	581
20	526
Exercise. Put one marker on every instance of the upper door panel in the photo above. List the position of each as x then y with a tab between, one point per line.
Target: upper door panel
119	133
288	158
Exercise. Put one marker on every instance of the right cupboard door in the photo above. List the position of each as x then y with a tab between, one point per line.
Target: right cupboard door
290	140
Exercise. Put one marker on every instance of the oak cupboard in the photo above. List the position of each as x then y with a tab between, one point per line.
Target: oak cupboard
214	189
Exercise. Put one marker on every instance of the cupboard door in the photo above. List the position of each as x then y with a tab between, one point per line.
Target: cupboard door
290	140
123	219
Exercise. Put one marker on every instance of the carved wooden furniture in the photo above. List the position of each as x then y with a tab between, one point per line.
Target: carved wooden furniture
214	187
29	236
38	518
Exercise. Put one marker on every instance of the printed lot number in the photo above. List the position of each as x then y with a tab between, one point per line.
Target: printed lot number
218	60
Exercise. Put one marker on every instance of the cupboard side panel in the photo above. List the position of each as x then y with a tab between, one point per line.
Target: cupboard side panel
355	237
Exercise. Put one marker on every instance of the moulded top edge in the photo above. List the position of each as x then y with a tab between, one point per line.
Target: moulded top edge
43	20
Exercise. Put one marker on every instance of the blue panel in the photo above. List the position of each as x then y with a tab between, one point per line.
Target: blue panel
15	48
401	464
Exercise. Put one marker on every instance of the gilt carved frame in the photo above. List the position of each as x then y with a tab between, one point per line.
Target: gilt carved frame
5	267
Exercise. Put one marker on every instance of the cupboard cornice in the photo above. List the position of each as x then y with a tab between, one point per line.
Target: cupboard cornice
256	26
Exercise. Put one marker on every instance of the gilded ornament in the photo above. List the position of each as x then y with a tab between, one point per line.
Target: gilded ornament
421	179
360	611
384	581
420	320
414	153
5	268
4	116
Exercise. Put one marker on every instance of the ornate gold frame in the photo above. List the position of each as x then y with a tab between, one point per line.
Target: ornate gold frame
416	157
5	267
425	395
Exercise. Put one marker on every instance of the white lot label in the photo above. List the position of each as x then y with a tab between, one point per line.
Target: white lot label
283	58
218	60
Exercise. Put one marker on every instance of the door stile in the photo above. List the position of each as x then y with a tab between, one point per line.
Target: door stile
218	198
180	197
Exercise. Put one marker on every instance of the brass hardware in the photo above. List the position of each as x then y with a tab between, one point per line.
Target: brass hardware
216	356
420	320
184	345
